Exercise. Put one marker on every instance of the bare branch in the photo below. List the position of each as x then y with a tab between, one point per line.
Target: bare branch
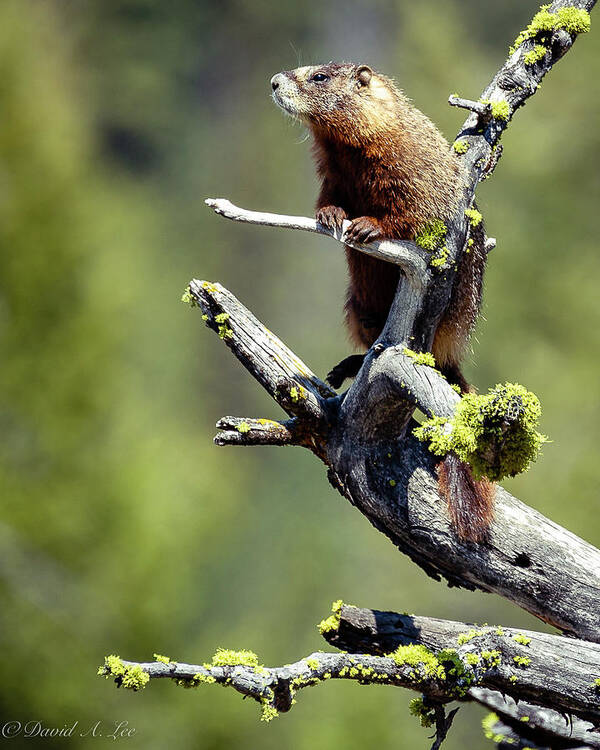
548	670
536	724
245	431
527	558
265	356
484	110
413	260
275	687
443	660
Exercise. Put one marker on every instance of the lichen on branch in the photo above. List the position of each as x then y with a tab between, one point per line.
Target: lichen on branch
571	19
495	433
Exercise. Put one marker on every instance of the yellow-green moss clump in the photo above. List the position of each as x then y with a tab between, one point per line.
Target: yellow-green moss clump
488	723
500	109
224	331
535	55
544	23
461	147
495	432
425	714
164	659
297	394
333	621
268	712
466	637
189	298
128	676
420	358
522	639
440	258
432	235
225	657
426	663
473	216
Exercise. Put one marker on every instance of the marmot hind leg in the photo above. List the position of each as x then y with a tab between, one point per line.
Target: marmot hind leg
347	368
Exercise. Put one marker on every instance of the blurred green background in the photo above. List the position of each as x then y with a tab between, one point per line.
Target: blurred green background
123	529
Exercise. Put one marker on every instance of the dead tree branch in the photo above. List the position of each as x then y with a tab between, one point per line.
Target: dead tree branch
365	438
526	558
444	660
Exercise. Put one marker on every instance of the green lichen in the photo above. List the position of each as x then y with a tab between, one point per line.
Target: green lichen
513	678
426	663
425	714
189	298
333	621
474	216
461	147
495	432
243	427
466	637
224	331
128	676
432	235
522	639
211	288
268	712
195	681
524	718
500	109
491	658
440	258
458	672
297	393
392	482
597	683
544	23
488	723
535	55
313	664
522	661
420	358
472	659
164	659
499	630
203	679
225	657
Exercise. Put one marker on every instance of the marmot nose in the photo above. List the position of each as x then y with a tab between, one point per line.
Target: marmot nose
275	81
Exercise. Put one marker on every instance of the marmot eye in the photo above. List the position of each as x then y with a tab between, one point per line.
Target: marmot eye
319	77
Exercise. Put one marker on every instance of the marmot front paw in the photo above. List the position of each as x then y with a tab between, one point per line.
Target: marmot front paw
364	229
331	217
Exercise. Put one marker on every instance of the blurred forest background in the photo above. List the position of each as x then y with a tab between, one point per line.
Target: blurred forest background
123	529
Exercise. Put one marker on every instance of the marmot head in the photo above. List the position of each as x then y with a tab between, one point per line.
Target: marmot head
351	103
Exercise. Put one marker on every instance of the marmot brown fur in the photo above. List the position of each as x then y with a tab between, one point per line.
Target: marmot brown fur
385	166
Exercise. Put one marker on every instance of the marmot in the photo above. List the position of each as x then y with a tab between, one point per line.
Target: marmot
385	166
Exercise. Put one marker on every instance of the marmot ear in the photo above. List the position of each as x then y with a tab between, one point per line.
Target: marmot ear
364	75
